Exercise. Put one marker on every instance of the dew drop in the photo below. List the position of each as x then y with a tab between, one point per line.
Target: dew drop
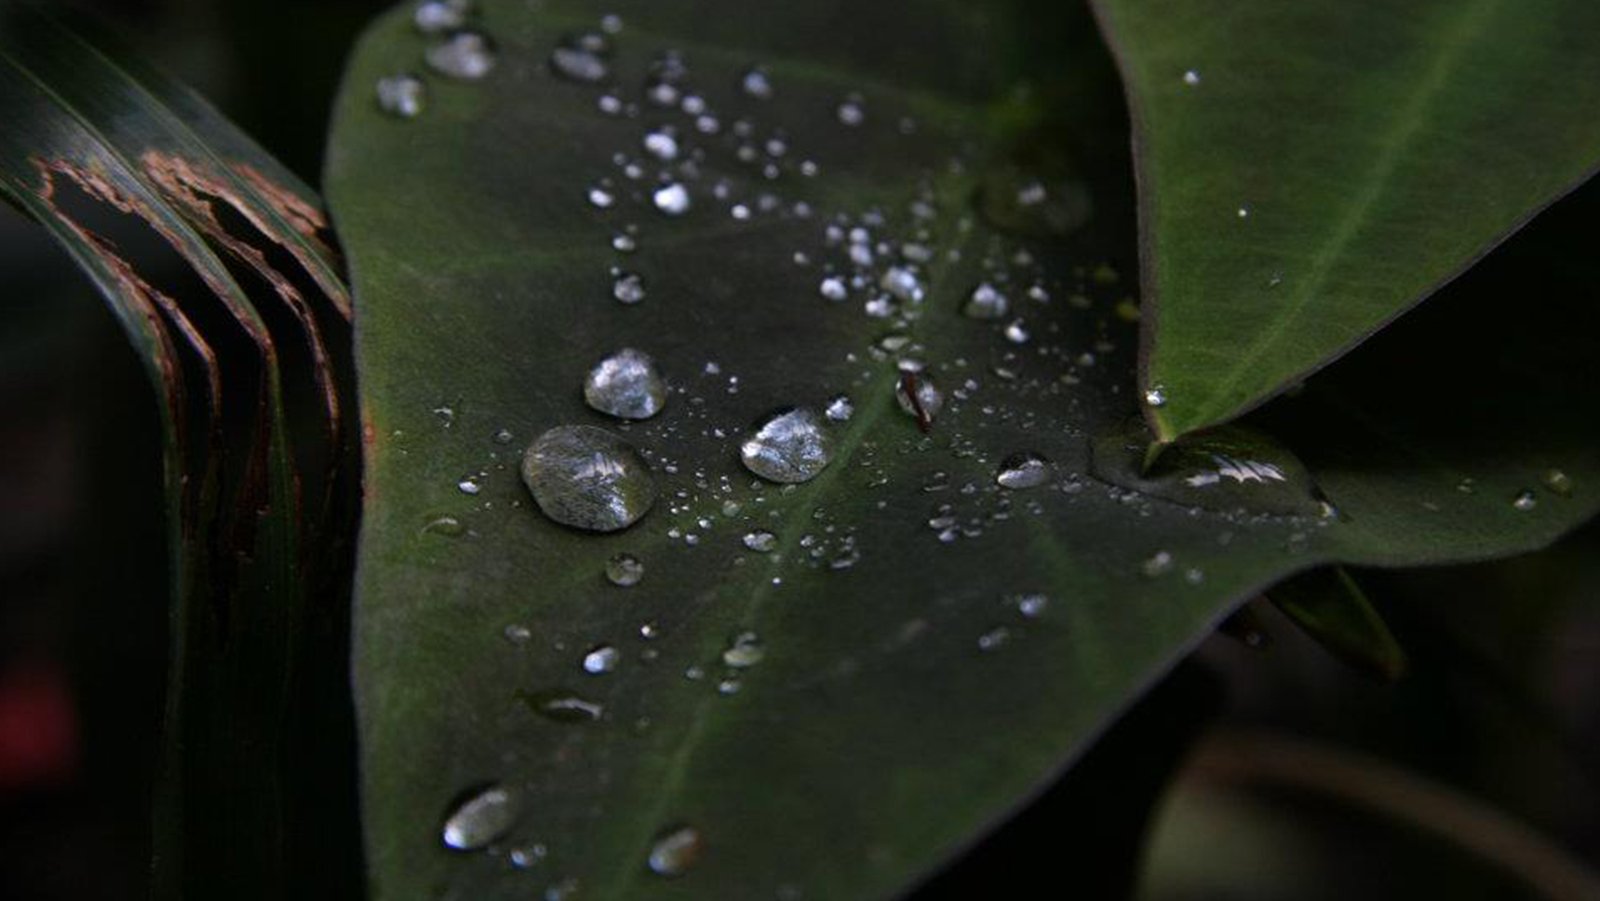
600	197
448	526
744	651
1016	332
833	288
760	540
627	385
1156	396
1191	78
672	199
468	485
562	706
602	659
1156	564
675	851
919	397
902	284
985	302
516	633
1524	501
755	83
1024	469
624	570
588	478
578	63
628	288
480	819
791	445
1558	482
1032	606
527	855
851	112
467	55
994	639
839	408
404	96
622	242
661	143
439	16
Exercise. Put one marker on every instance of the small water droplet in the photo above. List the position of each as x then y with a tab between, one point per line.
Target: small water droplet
516	633
851	111
468	485
839	408
760	540
1156	564
439	16
676	850
1032	606
1156	396
1525	500
602	659
627	385
503	436
1191	78
577	63
994	639
833	288
480	819
985	302
919	397
449	526
562	706
672	199
404	96
1024	469
527	855
624	570
588	478
744	651
622	242
1558	482
1017	332
903	284
467	55
755	83
790	445
628	288
661	143
600	197
729	686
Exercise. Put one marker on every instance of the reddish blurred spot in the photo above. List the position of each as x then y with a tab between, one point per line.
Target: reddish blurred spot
38	727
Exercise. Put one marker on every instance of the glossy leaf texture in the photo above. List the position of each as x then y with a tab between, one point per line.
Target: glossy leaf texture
839	707
215	261
1309	171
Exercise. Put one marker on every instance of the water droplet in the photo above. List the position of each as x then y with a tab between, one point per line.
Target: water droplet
516	633
1016	332
1558	482
790	445
1032	606
760	540
985	302
600	197
919	397
503	436
851	112
624	570
628	288
468	485
1156	396
527	855
661	143
729	686
1024	469
755	83
404	96
626	385
467	55
744	651
562	706
603	659
622	242
839	408
994	639
676	850
1524	501
833	288
578	63
448	526
1156	564
439	16
588	478
903	284
1191	78
481	818
672	199
1025	204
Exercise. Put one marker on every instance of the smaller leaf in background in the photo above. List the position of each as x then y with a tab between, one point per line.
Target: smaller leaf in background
1331	607
1308	171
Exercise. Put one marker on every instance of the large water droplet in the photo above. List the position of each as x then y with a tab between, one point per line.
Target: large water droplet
404	96
562	706
672	199
790	445
626	385
624	570
468	55
1024	469
1226	469
602	659
481	818
676	850
985	302
588	478
744	651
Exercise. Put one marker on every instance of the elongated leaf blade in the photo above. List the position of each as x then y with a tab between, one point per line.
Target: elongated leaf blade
1309	171
906	694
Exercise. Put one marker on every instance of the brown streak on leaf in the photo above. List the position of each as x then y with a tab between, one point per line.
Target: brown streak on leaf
305	218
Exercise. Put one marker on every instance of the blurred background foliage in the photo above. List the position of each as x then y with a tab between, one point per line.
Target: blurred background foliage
1253	772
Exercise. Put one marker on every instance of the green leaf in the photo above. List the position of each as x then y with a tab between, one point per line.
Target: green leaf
1332	608
1309	171
904	700
212	259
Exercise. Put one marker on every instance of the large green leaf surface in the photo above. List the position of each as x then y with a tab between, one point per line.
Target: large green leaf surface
905	698
1309	171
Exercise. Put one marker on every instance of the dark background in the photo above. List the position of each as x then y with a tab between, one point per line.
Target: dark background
1500	709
